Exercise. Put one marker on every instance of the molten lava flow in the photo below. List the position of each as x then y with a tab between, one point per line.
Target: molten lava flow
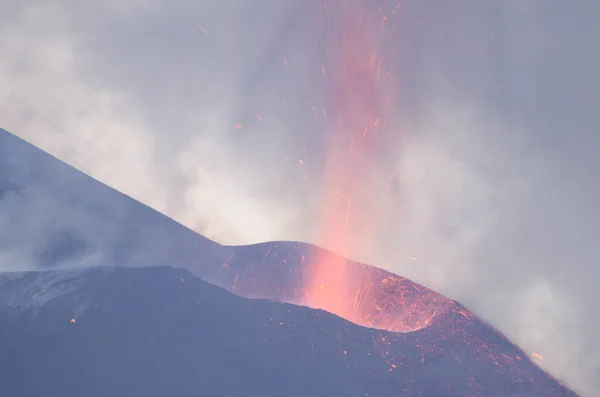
359	113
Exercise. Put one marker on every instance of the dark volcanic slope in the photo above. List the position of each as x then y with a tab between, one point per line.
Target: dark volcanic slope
67	219
59	217
163	332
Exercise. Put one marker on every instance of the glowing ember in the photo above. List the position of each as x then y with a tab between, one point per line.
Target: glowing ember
359	111
365	295
358	82
371	297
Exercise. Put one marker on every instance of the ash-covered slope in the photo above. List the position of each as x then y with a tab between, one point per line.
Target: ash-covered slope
53	216
163	332
60	217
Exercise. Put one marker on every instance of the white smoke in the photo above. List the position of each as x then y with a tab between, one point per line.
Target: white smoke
203	110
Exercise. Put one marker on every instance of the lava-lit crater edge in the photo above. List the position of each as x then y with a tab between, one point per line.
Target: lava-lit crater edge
365	295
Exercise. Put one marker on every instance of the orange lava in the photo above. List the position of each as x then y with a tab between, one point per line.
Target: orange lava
358	114
371	297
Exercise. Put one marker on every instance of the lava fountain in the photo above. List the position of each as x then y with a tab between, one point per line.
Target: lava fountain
358	117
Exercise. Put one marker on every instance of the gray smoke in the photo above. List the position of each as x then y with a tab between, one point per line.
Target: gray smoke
493	194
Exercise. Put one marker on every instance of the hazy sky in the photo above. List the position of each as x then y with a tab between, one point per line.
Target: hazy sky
487	178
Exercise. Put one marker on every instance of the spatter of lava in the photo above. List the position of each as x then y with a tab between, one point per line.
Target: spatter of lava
358	114
371	297
364	295
358	88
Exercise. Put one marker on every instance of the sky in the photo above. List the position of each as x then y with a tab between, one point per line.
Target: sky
213	113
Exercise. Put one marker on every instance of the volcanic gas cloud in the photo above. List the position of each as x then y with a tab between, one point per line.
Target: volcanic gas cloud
360	82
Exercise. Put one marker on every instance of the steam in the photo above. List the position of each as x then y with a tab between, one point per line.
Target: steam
203	110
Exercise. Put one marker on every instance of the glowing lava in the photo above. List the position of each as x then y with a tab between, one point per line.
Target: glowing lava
359	82
371	297
358	114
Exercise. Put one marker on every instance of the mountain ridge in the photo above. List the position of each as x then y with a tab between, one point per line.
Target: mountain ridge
129	233
181	335
54	205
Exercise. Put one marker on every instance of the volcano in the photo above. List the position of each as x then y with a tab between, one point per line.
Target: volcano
161	331
124	323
